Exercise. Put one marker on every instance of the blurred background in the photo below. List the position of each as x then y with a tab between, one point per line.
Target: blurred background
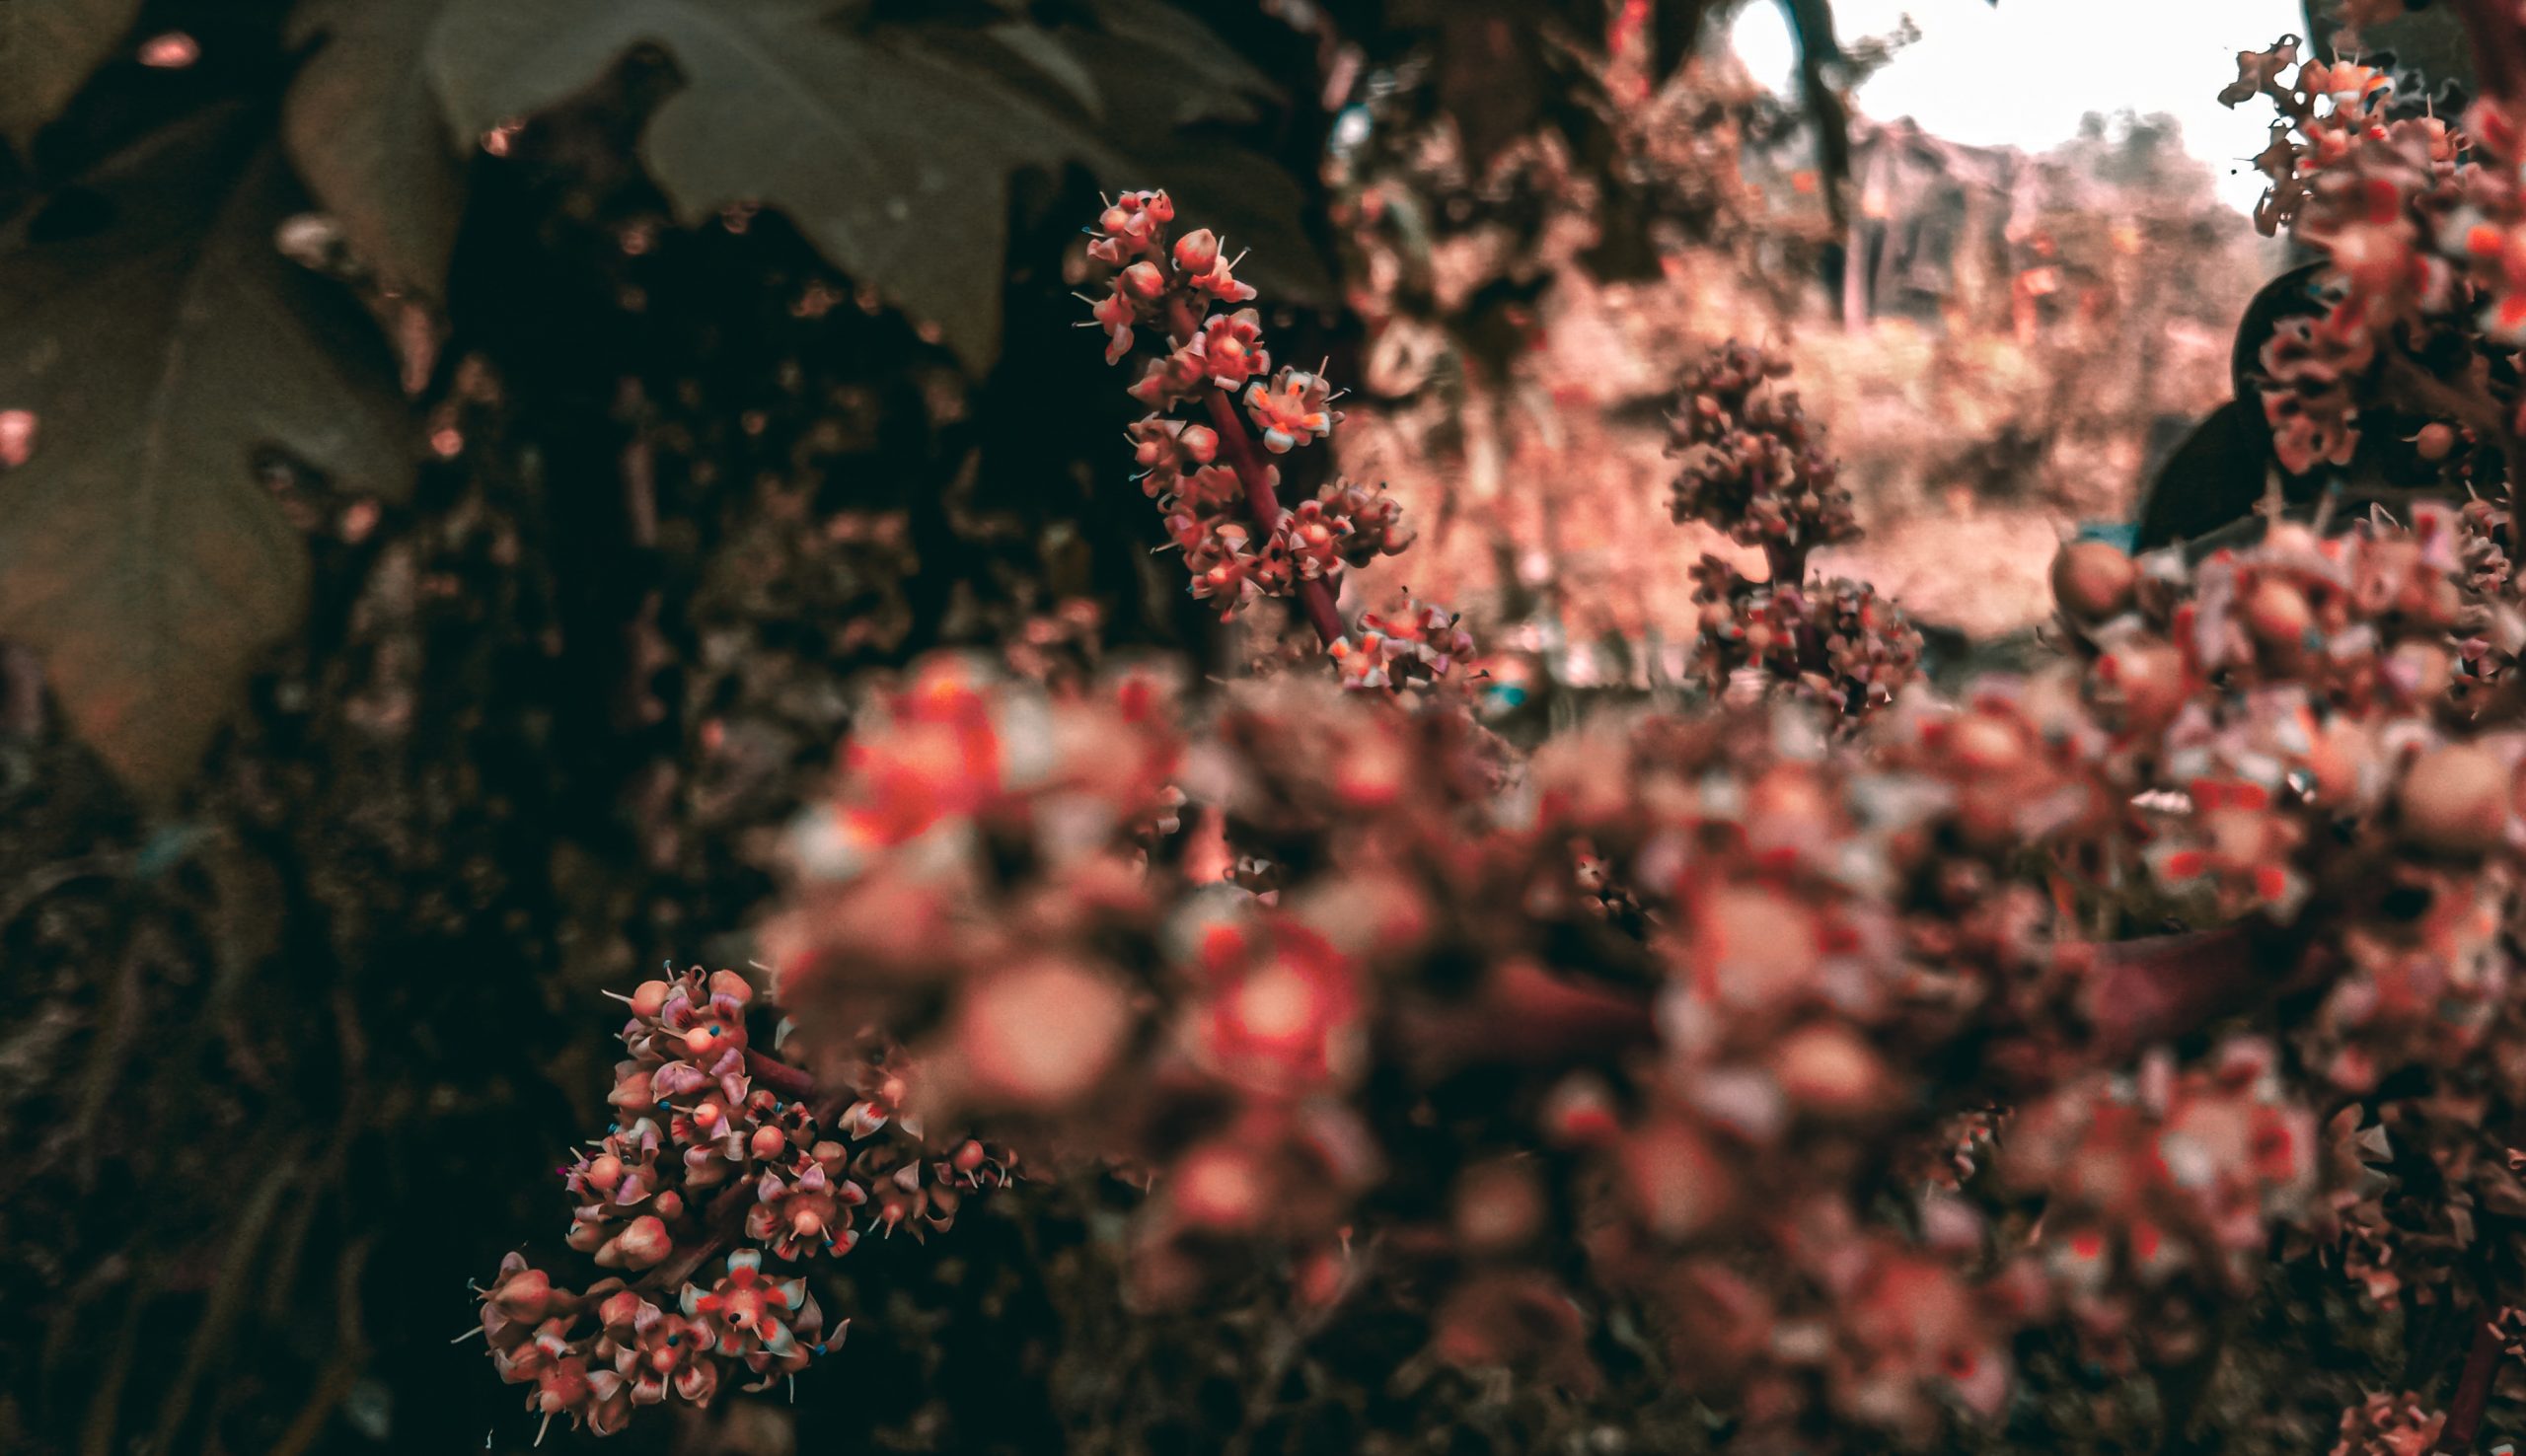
453	454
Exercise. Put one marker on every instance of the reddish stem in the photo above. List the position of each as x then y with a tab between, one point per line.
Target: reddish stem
724	1221
2141	991
2472	1389
1262	502
2498	44
792	1082
2499	47
1786	565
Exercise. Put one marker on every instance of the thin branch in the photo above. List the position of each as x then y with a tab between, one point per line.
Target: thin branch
2472	1389
2141	991
793	1082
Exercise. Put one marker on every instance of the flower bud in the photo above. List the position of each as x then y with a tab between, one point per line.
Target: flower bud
1219	1187
1042	1033
2150	680
1197	249
1828	1071
2091	581
1985	745
2454	800
619	1309
1674	1179
632	1091
1499	1208
1142	281
709	1040
523	1294
644	1244
2277	614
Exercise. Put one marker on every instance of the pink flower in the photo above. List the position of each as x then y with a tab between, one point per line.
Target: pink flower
668	1351
1171	380
1280	1013
804	1209
1129	226
747	1313
1116	314
1207	268
1232	348
1292	410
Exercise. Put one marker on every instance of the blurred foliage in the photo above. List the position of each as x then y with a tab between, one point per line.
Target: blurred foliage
165	357
888	135
382	733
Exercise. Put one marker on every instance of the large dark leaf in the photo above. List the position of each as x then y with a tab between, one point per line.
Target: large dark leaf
1176	55
890	145
49	48
892	153
1250	203
364	130
164	357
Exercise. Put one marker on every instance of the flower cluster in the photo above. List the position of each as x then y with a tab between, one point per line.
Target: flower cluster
1708	968
1218	498
2423	226
1408	641
1753	465
1642	1022
1824	1047
2390	1426
2165	1172
717	1143
1836	641
2309	368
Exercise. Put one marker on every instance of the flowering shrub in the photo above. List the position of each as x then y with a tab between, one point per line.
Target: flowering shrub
718	1143
1755	465
1219	498
1712	974
1828	1042
2418	218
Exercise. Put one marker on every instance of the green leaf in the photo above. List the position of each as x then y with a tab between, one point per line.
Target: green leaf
891	145
1041	51
892	153
1251	203
1172	85
363	128
163	358
1171	50
49	48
